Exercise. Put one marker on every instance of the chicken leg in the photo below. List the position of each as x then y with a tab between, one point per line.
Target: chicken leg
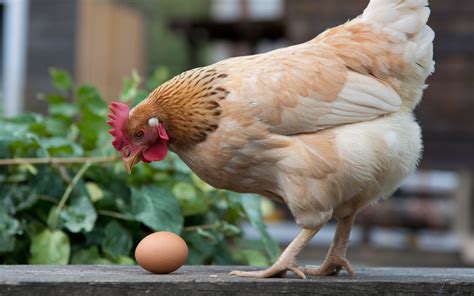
287	260
336	257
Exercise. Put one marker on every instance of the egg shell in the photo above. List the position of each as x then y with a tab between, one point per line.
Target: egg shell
161	252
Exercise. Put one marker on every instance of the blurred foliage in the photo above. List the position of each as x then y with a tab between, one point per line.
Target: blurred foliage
94	213
166	47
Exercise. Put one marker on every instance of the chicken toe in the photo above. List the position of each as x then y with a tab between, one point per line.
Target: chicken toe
332	265
276	270
287	260
336	257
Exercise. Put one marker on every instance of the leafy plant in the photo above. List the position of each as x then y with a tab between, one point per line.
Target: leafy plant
65	198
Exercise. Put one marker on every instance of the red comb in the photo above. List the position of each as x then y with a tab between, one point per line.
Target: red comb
117	121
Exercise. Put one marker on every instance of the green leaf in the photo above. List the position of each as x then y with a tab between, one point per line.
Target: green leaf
52	126
200	248
160	75
53	99
184	191
157	208
61	79
10	131
222	254
53	218
229	229
188	199
123	260
95	237
92	120
17	198
8	228
89	99
89	125
47	182
64	110
27	167
252	207
255	258
180	166
50	247
89	256
130	87
94	191
141	95
61	146
201	184
207	234
80	215
117	241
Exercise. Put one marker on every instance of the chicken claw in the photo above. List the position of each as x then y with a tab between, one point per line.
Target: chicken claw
336	257
277	270
287	260
332	265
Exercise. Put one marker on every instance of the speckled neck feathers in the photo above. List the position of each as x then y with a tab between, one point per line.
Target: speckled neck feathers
189	105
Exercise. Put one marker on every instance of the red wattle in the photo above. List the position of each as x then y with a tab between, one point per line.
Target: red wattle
162	132
155	152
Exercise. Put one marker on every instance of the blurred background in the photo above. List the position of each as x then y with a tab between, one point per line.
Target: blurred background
429	221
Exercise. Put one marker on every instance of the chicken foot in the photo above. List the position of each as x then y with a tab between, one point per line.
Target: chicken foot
336	257
287	260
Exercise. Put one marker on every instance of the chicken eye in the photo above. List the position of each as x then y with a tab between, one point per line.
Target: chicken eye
139	135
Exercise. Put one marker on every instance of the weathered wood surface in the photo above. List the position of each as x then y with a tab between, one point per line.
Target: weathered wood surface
214	280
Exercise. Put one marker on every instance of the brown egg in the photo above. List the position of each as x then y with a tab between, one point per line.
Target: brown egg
161	252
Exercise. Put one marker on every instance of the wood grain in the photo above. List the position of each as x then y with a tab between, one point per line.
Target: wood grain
214	280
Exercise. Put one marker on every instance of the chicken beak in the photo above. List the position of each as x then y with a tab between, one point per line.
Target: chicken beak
130	162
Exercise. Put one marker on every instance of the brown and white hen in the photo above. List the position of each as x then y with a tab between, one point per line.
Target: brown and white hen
326	127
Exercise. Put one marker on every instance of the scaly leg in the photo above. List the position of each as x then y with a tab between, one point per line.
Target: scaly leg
336	257
287	260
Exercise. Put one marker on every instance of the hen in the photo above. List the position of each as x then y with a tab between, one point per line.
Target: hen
326	127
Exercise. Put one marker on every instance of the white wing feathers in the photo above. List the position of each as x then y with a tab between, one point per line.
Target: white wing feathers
409	16
362	98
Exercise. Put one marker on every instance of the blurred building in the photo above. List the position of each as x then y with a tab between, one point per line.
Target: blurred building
13	28
100	42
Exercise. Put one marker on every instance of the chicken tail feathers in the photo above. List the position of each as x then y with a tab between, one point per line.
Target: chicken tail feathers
407	17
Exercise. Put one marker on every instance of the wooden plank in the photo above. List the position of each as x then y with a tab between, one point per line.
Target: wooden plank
111	44
73	280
